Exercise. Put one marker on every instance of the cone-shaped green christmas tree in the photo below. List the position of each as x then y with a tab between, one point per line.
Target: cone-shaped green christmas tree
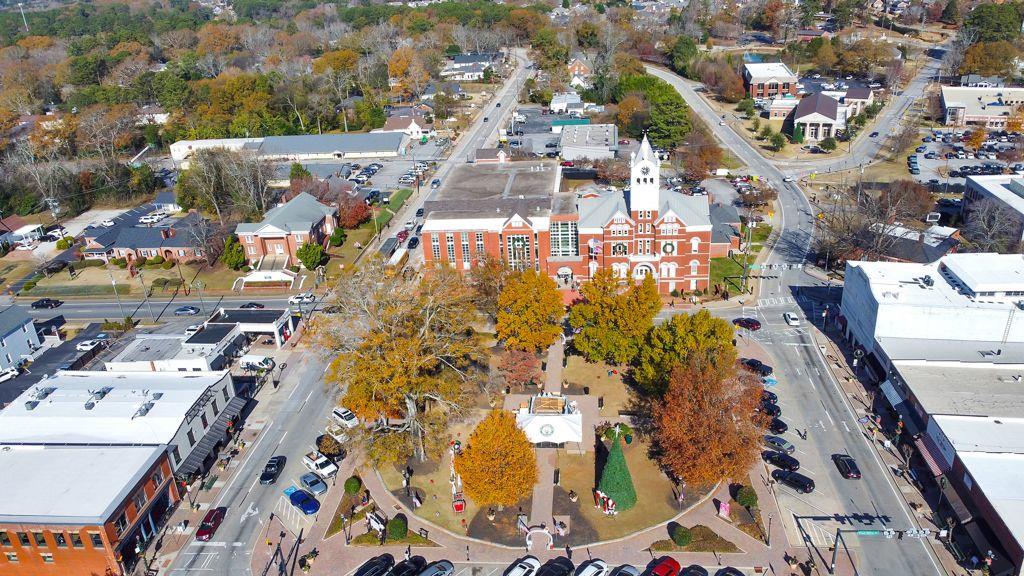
616	482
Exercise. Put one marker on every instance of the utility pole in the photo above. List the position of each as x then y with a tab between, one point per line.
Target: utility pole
116	295
23	19
145	294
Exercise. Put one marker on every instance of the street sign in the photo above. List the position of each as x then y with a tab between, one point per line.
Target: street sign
755	266
869	532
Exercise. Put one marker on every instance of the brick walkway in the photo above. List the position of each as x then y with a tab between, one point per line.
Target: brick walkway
553	374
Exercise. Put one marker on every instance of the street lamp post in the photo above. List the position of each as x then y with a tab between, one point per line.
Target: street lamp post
769	538
198	285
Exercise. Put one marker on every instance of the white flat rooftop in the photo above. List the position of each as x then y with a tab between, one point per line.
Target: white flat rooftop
140	408
983	434
69	485
902	282
966	389
1008	189
987	272
768	70
998	476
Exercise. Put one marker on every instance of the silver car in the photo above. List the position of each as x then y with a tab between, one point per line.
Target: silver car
440	568
313	483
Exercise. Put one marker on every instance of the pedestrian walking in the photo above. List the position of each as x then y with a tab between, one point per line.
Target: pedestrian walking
568	551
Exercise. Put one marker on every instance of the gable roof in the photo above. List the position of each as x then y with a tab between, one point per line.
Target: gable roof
12	318
297	215
858	93
723	219
597	211
442	88
475	57
404	122
692	210
166	197
817	103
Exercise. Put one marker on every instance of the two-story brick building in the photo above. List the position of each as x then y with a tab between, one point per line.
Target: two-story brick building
768	79
518	212
286	227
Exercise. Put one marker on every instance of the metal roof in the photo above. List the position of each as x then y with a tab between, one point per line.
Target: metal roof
380	142
13	318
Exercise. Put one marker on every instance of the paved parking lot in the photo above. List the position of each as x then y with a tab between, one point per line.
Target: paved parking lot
933	168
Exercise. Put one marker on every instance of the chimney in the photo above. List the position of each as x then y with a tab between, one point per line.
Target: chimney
167	233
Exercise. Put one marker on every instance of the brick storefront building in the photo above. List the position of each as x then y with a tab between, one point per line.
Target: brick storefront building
646	231
769	80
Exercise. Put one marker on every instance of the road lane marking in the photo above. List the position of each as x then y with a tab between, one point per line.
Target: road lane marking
847	428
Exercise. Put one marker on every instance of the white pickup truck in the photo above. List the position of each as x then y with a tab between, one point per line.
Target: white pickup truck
322	465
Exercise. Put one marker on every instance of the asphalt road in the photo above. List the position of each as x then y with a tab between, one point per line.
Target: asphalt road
809	397
295	413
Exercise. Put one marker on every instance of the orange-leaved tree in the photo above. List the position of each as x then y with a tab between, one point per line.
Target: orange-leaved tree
529	311
498	467
706	425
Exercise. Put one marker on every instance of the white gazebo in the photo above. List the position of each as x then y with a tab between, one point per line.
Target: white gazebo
550	420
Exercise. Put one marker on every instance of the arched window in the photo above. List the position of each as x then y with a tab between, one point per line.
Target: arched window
694	245
693	267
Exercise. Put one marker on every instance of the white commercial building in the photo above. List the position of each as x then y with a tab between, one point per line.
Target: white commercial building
562	101
986	107
302	147
1007	192
18	337
972	302
209	349
189	413
589	141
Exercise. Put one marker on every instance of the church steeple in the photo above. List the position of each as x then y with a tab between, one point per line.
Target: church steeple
645	178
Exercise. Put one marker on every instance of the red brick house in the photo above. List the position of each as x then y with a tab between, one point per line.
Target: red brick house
174	242
768	80
286	227
647	232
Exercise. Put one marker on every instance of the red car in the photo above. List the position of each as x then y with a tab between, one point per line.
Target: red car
665	566
748	323
210	524
624	141
568	163
402	235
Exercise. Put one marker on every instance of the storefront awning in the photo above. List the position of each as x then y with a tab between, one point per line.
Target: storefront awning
213	436
891	394
933	465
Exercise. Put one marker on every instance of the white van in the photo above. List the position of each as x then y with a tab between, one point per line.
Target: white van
255	362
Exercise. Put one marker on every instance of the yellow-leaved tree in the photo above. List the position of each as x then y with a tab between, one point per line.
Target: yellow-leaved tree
498	467
529	311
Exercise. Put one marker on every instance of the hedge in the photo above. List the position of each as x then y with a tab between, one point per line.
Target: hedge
353	485
681	535
747	497
398	528
89	263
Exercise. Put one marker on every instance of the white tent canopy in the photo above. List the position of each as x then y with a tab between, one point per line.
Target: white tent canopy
551	428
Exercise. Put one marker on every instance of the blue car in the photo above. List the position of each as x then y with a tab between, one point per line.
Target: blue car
305	501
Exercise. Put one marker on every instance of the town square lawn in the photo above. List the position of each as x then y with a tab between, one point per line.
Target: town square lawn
602	379
656	494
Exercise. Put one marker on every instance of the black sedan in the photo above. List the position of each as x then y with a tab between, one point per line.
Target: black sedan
748	323
781	460
846	465
46	303
794	480
252	306
770	397
770	409
758	367
272	470
414	242
777	426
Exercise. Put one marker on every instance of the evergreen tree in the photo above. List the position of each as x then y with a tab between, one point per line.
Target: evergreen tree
616	481
951	13
798	134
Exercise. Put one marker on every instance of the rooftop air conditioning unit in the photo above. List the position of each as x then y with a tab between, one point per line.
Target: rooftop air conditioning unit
31	405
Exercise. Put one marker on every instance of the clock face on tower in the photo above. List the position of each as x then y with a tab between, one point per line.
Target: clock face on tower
645	170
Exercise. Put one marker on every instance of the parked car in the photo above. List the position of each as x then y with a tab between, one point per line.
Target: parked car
560	566
46	303
313	483
625	570
8	374
414	242
794	480
568	163
770	409
791	319
767	396
439	568
873	134
193	329
377	566
304	298
694	570
781	460
345	417
410	567
758	367
272	470
777	426
87	345
664	566
593	568
208	527
252	306
779	444
304	502
526	566
748	323
108	223
186	311
847	466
